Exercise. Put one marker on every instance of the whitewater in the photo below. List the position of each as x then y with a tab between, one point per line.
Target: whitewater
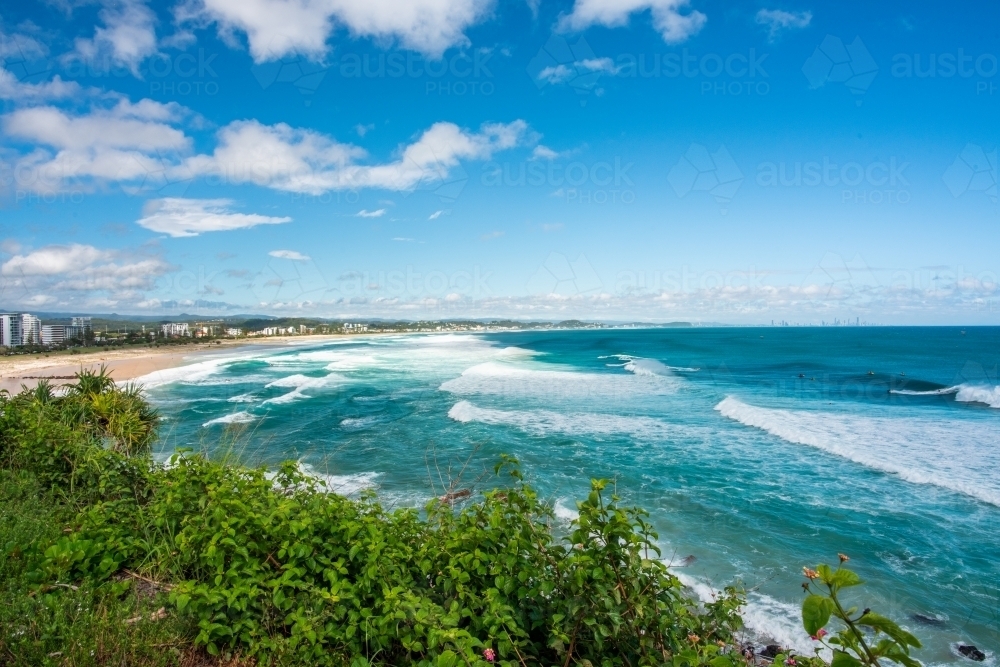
756	450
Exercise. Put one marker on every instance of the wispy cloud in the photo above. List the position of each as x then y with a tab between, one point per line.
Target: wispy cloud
364	213
777	20
191	217
667	17
293	255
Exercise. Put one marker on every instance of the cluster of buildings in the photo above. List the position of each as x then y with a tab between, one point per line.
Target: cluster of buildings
283	331
177	329
19	329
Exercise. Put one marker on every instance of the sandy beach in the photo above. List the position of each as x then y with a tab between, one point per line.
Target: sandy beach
125	364
128	364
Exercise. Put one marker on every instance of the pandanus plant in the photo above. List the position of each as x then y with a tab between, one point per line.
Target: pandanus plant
119	415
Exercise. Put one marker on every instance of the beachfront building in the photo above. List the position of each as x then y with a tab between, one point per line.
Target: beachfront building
54	334
176	329
31	330
17	329
234	332
350	327
10	330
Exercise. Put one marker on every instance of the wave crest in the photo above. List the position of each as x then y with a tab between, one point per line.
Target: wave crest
940	453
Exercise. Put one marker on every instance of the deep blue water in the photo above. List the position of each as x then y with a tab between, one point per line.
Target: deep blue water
756	450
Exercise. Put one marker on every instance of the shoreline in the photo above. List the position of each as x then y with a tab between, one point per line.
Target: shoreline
131	363
123	365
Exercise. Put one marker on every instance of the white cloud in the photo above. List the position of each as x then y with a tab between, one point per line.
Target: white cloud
190	217
128	35
126	141
777	20
667	17
403	239
17	91
364	213
362	130
278	28
126	125
297	160
38	300
562	72
79	274
544	153
435	215
53	260
289	254
142	146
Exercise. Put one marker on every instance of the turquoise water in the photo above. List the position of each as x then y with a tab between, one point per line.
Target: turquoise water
756	450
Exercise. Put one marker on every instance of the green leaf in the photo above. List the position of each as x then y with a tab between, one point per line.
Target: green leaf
841	659
843	578
447	659
889	627
816	611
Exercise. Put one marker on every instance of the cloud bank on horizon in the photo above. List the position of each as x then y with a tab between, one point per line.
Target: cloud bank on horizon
602	159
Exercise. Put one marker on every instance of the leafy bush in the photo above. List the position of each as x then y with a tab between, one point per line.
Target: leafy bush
269	565
865	637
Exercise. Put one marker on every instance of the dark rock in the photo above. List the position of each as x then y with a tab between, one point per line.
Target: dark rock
971	652
928	620
770	651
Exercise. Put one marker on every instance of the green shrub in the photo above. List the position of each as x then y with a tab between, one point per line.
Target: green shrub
271	566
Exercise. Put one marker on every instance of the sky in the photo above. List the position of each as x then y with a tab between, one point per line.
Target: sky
616	160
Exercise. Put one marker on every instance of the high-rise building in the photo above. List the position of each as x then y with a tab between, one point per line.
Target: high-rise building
82	322
54	334
10	330
31	330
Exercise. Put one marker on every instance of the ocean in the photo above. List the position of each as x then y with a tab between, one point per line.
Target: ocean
756	450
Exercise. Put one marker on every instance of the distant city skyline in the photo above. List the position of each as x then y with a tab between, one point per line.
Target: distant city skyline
657	160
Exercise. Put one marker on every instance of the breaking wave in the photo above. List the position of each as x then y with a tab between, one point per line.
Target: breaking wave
942	453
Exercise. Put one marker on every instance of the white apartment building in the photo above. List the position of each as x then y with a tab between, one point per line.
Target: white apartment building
176	329
31	330
17	329
10	330
234	332
54	334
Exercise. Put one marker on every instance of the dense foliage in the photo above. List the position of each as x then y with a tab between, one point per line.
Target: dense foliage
269	565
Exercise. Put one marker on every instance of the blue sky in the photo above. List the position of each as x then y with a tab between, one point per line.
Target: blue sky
603	159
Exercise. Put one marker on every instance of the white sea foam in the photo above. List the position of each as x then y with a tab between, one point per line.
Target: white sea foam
956	455
646	367
358	423
235	418
964	393
301	383
976	394
342	485
189	374
522	380
768	620
563	510
547	422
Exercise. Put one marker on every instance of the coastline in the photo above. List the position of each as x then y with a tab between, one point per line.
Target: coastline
126	364
131	363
